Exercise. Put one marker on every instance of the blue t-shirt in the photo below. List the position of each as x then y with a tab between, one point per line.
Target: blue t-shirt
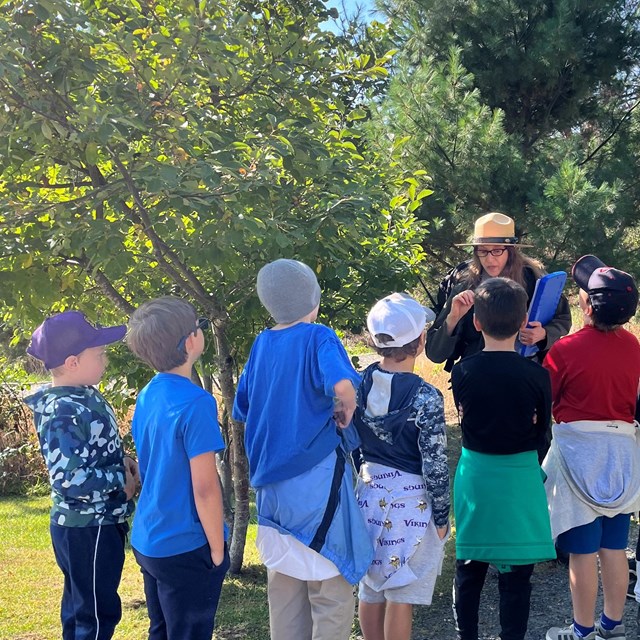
285	398
174	421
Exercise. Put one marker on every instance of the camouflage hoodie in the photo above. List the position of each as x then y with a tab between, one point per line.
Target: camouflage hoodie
82	449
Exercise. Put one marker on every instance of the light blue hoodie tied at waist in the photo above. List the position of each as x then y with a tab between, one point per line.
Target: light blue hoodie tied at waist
319	508
593	470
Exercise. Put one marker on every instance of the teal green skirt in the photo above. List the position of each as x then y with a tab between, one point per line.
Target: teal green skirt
501	509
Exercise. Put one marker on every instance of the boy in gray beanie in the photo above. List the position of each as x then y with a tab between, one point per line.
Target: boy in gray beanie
295	395
288	290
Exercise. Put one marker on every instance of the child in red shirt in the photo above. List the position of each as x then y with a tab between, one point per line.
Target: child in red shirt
593	465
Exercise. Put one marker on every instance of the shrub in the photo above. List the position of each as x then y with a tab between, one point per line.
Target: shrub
21	466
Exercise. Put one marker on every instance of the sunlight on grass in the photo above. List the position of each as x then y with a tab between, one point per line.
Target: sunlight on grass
30	579
32	584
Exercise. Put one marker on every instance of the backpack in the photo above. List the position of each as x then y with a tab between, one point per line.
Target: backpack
447	284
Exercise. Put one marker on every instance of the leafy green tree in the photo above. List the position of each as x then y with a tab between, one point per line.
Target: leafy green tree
156	147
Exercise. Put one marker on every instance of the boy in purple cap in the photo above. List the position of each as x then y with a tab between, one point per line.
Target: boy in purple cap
92	482
593	466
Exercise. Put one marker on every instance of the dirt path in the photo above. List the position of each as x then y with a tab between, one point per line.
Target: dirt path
550	606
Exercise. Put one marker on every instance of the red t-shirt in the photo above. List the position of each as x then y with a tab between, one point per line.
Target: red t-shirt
594	375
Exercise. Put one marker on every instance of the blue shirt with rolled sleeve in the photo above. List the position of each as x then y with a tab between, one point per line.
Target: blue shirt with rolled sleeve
174	421
285	397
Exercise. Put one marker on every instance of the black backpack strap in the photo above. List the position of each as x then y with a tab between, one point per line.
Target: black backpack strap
447	284
332	503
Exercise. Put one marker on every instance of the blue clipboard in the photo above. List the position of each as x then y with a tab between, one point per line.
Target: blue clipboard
543	304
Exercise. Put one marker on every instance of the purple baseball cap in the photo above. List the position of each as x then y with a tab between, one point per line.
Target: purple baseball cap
613	293
68	334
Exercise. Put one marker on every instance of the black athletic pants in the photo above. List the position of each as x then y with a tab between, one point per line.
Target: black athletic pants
91	559
182	593
515	595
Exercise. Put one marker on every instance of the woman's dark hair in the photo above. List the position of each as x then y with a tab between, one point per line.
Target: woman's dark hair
397	354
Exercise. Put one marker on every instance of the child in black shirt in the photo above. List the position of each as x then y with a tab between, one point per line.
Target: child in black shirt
504	401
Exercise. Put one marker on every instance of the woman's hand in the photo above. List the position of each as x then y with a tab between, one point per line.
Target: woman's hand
533	334
460	305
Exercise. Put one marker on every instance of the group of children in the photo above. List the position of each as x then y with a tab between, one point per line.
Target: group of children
179	535
308	414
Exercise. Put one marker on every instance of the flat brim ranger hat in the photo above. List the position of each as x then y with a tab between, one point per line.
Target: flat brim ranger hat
494	228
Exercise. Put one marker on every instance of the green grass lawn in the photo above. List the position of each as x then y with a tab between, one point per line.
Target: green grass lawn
31	584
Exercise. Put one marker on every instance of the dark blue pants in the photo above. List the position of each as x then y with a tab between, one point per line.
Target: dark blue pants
182	593
91	559
514	588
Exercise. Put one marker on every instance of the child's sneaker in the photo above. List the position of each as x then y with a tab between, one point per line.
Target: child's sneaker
567	633
617	633
633	577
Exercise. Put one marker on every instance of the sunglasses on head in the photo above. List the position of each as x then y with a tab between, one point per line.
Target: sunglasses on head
202	324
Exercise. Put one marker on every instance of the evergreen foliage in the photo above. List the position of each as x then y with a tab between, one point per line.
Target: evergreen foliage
527	108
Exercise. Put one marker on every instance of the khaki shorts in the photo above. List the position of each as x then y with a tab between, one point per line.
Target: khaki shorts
309	609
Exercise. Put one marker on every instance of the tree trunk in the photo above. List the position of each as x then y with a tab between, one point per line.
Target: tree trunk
225	468
240	470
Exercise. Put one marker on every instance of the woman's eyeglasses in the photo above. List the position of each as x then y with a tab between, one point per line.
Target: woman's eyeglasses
483	253
202	324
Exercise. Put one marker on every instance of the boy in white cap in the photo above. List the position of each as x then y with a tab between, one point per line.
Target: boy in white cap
311	535
593	466
403	489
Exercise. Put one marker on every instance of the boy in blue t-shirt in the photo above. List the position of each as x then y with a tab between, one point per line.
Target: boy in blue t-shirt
296	395
178	534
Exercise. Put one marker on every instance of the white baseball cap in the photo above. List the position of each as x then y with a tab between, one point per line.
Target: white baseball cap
399	316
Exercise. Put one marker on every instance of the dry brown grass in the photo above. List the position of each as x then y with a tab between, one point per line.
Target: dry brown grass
436	375
21	464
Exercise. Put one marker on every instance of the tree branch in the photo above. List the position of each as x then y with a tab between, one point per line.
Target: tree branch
171	261
626	116
105	284
59	185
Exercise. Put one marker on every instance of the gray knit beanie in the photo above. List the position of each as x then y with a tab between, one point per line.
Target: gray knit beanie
288	290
